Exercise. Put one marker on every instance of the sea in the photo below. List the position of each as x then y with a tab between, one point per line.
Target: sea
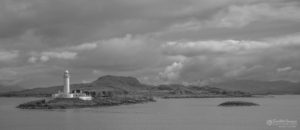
281	112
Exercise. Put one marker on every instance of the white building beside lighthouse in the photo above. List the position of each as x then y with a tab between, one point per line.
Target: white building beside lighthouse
66	93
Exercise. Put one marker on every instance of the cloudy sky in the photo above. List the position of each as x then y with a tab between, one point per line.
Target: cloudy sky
157	41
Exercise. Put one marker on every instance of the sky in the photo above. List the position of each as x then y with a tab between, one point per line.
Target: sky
156	41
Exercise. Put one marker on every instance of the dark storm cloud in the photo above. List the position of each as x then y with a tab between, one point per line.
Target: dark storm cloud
61	18
65	22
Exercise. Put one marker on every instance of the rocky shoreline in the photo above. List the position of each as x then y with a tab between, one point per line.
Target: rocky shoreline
65	103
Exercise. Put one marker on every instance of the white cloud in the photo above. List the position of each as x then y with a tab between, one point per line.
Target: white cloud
32	59
192	25
96	72
283	69
46	56
171	73
196	48
84	46
60	55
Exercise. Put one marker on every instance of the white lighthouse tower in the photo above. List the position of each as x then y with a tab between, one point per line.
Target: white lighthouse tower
67	85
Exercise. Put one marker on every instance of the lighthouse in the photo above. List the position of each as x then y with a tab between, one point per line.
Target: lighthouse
66	93
66	90
67	84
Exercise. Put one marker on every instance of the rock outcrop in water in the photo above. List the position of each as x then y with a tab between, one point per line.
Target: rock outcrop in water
237	103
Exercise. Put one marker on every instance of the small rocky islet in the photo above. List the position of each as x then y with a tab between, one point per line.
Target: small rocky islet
237	103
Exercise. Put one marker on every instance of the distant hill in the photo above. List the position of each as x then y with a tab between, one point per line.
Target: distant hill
8	88
260	87
118	83
192	91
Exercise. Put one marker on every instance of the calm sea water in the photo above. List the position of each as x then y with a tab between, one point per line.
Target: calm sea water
165	114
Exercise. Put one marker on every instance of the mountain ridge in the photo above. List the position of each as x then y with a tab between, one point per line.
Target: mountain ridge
122	84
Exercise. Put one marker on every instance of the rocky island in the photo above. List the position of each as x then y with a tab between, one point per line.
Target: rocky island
65	103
